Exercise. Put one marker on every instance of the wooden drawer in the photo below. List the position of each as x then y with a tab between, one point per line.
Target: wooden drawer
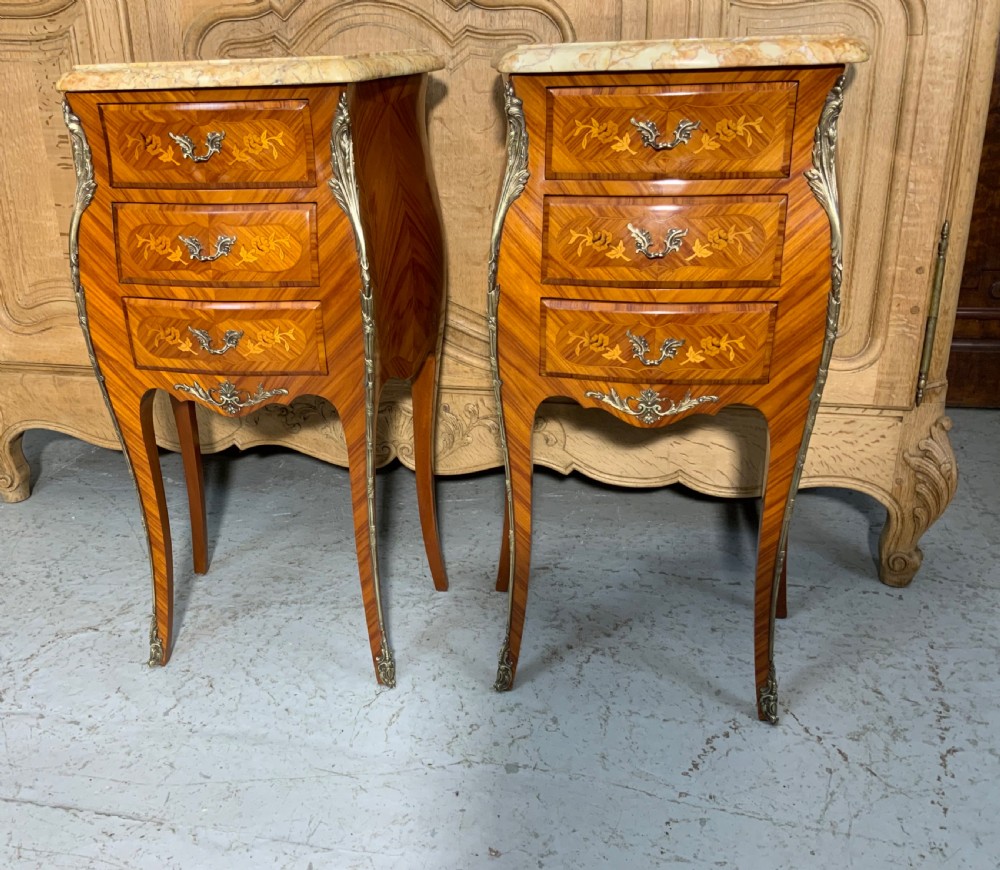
719	343
692	241
259	144
269	244
231	338
739	130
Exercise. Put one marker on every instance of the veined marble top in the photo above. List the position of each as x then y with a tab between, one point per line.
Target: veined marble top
247	72
682	54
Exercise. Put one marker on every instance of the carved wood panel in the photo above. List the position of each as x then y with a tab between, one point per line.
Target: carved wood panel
38	42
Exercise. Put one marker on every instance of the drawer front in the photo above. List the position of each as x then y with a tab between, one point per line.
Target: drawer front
222	245
739	130
679	241
718	343
206	145
231	338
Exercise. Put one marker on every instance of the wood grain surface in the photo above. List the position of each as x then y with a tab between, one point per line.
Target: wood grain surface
717	240
268	244
297	304
799	302
716	342
233	337
267	143
744	129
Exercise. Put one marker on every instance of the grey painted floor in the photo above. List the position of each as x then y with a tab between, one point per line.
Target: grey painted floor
630	737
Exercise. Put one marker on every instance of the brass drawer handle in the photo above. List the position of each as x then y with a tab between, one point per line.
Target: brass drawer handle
649	404
230	339
640	347
649	133
213	145
229	398
644	242
223	245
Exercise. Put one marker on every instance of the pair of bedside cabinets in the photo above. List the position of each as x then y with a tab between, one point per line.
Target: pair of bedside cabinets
667	228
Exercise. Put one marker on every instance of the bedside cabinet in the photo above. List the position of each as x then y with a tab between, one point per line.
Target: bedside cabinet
667	242
247	232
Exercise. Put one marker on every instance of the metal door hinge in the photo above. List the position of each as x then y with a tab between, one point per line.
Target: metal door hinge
932	311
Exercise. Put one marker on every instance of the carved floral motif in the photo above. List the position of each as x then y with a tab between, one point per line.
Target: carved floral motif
456	427
935	473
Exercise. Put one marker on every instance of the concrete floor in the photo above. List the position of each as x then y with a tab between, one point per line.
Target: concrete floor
629	739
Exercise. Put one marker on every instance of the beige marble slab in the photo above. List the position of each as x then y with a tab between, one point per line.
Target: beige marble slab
248	72
681	54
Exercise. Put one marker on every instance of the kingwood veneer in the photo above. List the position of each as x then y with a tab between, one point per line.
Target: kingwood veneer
663	247
237	242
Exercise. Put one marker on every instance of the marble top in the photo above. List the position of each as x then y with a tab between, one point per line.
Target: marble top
681	54
247	72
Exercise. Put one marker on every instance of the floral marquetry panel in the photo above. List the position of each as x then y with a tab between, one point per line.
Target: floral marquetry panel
210	145
680	241
235	337
643	343
719	131
229	245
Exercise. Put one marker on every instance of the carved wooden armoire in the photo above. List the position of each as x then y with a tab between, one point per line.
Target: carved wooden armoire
912	135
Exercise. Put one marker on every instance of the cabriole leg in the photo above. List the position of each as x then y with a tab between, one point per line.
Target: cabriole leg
361	466
135	419
784	447
921	495
186	418
424	406
15	477
503	563
518	424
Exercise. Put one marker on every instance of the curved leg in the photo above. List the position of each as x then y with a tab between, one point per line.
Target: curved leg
923	496
503	563
424	406
135	421
359	432
518	425
187	433
15	476
785	438
781	609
